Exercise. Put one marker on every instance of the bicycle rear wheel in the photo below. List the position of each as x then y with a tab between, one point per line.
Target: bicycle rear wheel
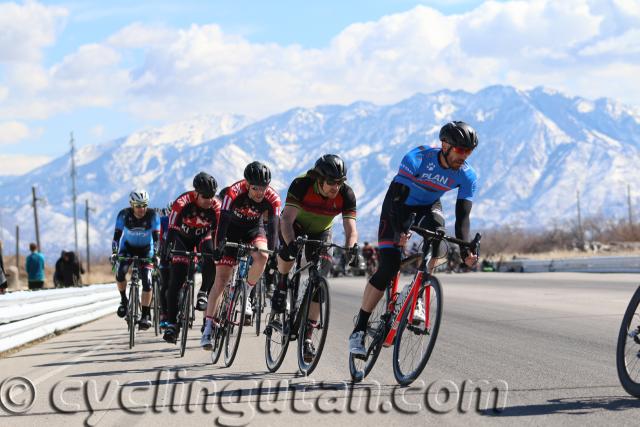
415	339
132	315
235	324
187	301
377	328
628	347
314	333
277	335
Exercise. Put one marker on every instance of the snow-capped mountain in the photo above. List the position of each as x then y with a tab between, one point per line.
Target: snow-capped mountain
536	149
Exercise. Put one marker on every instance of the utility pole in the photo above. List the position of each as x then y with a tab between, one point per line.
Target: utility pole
35	215
629	202
86	217
18	247
73	192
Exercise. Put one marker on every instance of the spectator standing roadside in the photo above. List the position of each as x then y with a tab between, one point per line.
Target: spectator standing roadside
3	275
35	267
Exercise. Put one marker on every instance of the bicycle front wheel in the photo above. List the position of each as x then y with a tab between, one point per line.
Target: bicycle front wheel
187	302
417	332
258	304
235	324
278	334
314	324
377	328
132	315
217	337
628	348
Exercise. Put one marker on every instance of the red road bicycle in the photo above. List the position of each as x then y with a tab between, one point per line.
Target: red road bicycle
409	320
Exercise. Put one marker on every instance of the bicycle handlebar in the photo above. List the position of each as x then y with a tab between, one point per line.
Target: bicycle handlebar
190	254
246	247
304	240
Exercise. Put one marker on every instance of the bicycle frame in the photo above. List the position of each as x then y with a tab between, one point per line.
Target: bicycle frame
410	301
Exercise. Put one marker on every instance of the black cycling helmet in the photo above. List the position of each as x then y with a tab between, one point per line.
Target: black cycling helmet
459	134
205	184
257	173
331	166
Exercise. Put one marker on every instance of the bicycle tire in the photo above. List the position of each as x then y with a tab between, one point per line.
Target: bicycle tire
186	319
406	378
156	307
132	314
322	289
235	324
630	384
377	329
281	324
257	315
218	332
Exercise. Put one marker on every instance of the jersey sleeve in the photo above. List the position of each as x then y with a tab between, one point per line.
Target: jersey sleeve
468	186
176	211
409	166
349	204
120	220
297	191
274	202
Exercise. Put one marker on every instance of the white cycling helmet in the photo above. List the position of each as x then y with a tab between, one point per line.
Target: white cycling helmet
139	197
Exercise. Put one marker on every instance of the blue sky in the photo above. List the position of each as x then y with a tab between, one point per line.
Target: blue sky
105	70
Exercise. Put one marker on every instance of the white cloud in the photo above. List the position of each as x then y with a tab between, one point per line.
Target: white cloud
568	45
20	164
27	28
12	132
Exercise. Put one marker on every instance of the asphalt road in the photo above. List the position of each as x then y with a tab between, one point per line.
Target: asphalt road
546	341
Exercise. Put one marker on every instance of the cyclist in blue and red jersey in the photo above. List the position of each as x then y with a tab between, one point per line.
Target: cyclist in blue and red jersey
250	211
136	234
192	224
425	174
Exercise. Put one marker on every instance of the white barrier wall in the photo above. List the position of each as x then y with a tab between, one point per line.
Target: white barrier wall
27	316
583	265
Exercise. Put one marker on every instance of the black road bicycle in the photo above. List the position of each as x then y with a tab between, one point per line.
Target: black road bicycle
231	313
311	297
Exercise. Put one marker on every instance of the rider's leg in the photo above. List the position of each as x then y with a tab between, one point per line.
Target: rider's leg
259	262
121	279
223	274
145	298
208	265
381	279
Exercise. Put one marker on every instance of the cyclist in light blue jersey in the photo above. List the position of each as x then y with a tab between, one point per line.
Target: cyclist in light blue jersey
136	234
425	174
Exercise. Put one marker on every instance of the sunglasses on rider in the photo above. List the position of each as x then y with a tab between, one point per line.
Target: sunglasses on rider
139	205
333	182
207	197
461	150
258	188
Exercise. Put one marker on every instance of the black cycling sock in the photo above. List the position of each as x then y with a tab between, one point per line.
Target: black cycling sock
363	319
123	295
146	311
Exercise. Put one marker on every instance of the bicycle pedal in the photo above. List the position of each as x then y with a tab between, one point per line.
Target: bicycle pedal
360	356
